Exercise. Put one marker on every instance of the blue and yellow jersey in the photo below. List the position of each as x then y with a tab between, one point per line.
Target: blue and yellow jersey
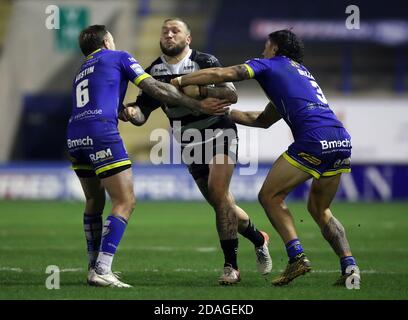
100	85
295	93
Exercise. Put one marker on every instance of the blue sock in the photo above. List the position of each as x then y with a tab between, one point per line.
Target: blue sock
293	248
345	262
93	234
113	231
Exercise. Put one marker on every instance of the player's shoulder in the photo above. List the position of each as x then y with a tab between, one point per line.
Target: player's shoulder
258	60
203	59
120	56
274	62
126	55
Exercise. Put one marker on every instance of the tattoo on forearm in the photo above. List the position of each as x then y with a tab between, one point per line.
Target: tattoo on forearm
222	93
335	234
242	72
168	94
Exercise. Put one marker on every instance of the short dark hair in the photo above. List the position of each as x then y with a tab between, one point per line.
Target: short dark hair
289	44
180	20
91	38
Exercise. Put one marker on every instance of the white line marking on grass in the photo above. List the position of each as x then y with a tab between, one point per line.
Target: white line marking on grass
196	270
184	270
362	271
206	249
188	270
362	250
169	249
72	270
11	269
158	248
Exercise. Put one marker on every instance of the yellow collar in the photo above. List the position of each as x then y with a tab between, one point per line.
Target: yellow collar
89	56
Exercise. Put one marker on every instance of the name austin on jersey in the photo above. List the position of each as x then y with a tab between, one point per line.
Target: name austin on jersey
135	66
84	73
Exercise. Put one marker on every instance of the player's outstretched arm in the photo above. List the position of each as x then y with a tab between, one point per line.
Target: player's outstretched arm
224	90
213	76
168	94
260	119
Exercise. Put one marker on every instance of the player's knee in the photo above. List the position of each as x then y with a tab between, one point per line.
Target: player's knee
124	206
270	198
218	198
95	203
321	214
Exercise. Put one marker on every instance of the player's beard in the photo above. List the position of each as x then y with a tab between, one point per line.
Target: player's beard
174	51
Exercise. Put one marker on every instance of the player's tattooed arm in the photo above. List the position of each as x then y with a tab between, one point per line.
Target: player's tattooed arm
335	234
213	76
225	90
260	119
169	95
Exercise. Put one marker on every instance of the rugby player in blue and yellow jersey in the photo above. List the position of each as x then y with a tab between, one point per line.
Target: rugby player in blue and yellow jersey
321	148
96	149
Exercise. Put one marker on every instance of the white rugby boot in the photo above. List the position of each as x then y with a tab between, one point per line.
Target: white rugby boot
109	279
263	258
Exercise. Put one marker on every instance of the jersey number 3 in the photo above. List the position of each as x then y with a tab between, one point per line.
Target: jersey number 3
82	93
319	92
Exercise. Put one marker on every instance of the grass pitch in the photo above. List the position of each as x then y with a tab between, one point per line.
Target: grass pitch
171	251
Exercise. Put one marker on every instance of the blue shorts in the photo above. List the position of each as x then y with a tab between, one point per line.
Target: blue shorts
96	148
323	151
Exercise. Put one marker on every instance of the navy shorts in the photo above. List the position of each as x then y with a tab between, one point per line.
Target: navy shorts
223	140
323	152
96	148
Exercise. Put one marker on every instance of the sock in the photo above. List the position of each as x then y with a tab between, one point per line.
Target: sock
230	249
93	233
254	235
112	234
293	249
345	262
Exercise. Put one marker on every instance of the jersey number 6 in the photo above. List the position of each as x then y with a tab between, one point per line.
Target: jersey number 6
82	93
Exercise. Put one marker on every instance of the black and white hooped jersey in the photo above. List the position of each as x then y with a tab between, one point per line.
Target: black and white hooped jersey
163	71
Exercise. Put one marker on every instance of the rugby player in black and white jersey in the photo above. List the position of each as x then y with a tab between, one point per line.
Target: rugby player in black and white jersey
213	171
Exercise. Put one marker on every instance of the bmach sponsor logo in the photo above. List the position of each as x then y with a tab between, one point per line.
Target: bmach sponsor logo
346	143
101	155
81	142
